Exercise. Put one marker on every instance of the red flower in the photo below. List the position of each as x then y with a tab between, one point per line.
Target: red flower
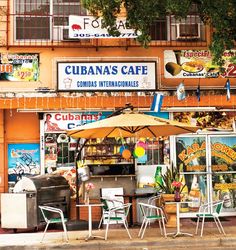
177	184
89	186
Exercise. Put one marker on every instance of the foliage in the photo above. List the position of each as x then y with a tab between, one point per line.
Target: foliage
171	176
219	14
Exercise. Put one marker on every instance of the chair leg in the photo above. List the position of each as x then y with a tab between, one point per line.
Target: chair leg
164	227
198	219
222	229
140	231
45	231
100	223
124	222
65	231
144	229
203	220
108	222
160	226
218	226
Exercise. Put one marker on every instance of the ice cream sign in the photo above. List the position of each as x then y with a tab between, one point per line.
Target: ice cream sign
103	76
86	27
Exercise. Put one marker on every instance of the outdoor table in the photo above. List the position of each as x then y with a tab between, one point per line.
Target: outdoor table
131	197
178	231
90	233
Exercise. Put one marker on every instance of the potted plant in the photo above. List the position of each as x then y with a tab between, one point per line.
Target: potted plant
170	179
170	182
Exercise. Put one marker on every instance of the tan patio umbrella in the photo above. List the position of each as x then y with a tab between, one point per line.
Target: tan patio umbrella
131	125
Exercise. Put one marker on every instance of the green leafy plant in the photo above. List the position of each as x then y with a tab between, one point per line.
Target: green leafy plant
171	176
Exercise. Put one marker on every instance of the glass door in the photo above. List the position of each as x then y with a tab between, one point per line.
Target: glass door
207	165
223	169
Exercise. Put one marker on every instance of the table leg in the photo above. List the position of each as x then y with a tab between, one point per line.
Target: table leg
131	222
178	232
90	233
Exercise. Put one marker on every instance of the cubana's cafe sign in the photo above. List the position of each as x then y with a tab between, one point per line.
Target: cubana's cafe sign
197	64
86	27
19	67
105	76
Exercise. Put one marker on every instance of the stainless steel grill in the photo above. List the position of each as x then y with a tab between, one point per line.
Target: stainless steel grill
20	208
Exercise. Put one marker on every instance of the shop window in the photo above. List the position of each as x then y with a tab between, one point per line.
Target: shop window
40	20
59	151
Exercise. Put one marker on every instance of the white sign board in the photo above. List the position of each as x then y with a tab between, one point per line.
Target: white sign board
86	27
104	76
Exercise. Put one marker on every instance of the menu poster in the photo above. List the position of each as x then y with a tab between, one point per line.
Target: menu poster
198	64
23	67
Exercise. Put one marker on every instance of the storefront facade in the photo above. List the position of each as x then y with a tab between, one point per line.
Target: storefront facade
53	83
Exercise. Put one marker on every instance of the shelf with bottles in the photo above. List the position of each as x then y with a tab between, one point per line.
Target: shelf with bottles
106	150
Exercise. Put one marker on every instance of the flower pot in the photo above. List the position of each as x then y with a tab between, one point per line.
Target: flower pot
170	209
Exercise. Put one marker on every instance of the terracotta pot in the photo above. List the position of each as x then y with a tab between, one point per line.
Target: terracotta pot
170	209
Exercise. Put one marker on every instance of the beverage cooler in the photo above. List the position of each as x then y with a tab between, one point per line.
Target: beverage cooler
207	164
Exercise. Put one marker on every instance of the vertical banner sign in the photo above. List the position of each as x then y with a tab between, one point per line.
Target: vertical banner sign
22	67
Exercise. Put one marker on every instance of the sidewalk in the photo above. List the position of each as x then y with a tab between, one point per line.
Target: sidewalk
118	239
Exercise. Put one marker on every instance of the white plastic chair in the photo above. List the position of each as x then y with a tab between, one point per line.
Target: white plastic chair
151	213
118	214
206	212
47	213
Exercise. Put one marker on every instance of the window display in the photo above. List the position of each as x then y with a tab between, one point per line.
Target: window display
207	164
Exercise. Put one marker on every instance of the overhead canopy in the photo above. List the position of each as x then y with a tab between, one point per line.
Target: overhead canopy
131	125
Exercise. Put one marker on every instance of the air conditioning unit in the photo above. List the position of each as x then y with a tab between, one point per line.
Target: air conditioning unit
65	36
187	31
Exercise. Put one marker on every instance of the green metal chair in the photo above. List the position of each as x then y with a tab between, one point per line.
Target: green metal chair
117	214
108	203
49	217
150	214
210	210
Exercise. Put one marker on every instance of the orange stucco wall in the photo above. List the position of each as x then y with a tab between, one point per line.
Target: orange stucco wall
18	128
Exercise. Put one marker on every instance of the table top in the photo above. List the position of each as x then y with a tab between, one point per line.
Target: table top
178	202
134	195
89	204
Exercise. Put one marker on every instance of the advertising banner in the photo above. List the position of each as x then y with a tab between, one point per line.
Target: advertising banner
23	159
22	67
86	27
197	64
104	76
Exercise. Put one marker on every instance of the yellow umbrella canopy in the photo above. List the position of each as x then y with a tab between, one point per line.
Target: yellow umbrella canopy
131	125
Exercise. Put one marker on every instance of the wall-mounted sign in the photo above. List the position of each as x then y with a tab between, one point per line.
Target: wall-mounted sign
59	121
23	160
86	27
19	67
197	64
104	76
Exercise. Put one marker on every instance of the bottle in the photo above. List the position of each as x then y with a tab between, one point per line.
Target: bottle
225	194
195	195
158	178
183	207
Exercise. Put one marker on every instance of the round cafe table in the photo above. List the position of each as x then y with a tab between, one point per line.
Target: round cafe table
90	233
178	231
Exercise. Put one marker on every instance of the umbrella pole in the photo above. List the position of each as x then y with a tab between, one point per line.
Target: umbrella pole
78	181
